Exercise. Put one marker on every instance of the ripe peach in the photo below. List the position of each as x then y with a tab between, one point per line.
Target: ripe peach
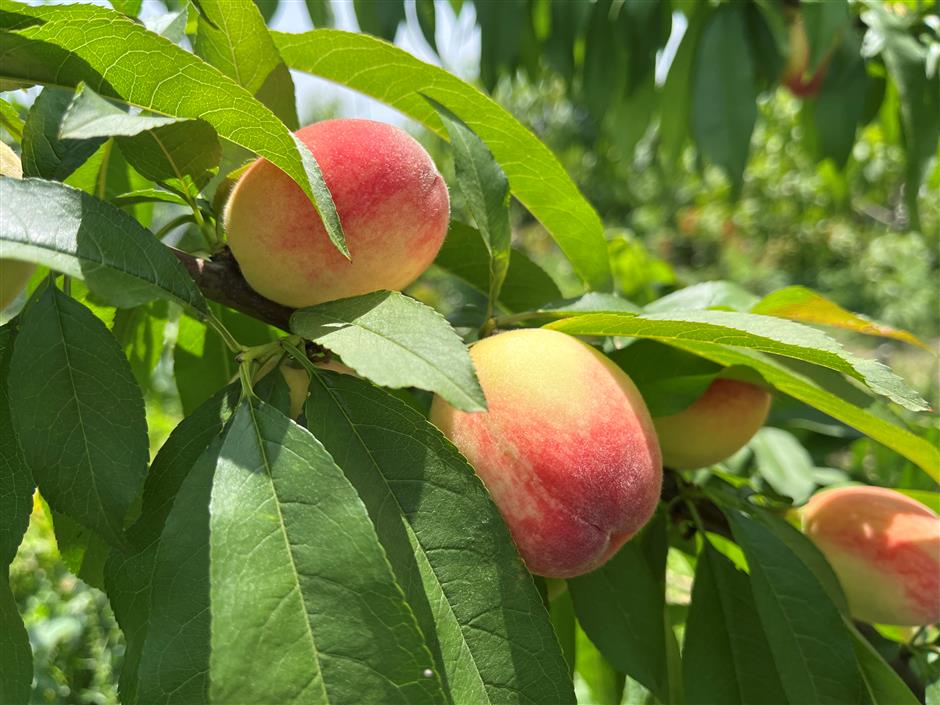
717	425
885	549
566	448
794	74
14	274
392	202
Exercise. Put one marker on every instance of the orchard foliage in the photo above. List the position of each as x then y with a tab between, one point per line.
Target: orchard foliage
305	533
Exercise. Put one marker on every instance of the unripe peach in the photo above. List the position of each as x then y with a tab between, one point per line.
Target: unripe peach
716	426
885	549
794	74
14	274
566	448
391	200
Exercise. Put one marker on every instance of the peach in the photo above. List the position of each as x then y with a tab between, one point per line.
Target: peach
392	203
717	425
794	74
885	549
566	448
14	274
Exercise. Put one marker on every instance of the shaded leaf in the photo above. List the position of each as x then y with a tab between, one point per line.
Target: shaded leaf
47	153
714	294
340	627
76	234
16	481
446	542
784	463
811	646
726	658
885	687
396	342
16	659
79	413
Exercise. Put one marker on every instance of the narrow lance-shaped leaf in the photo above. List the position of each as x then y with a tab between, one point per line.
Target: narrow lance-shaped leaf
485	189
811	646
726	658
130	573
297	570
16	481
79	413
724	94
447	543
397	78
885	686
801	304
69	44
396	342
918	450
46	153
621	608
159	148
234	38
16	659
742	330
71	232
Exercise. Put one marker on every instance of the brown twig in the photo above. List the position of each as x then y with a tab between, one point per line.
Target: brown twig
220	279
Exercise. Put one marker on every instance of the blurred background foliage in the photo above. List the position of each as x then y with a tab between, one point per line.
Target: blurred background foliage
854	225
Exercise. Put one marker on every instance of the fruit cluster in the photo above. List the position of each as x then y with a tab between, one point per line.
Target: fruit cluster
567	447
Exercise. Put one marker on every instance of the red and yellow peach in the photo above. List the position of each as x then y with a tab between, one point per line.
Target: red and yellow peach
392	203
716	426
885	549
566	448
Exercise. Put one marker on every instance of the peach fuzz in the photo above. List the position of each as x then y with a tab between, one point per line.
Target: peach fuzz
392	203
885	549
566	448
14	274
716	426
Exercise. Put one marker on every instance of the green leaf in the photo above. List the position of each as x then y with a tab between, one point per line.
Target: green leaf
427	21
669	379
79	414
463	254
232	36
714	294
502	26
561	611
485	189
174	658
396	342
825	22
159	148
841	101
69	44
811	646
621	607
603	683
128	7
16	659
46	153
677	90
16	481
397	78
606	60
129	572
76	234
919	93
335	617
380	18
140	332
749	331
724	94
800	386
147	195
726	657
784	463
10	119
83	551
801	304
446	542
89	115
885	687
202	364
321	12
